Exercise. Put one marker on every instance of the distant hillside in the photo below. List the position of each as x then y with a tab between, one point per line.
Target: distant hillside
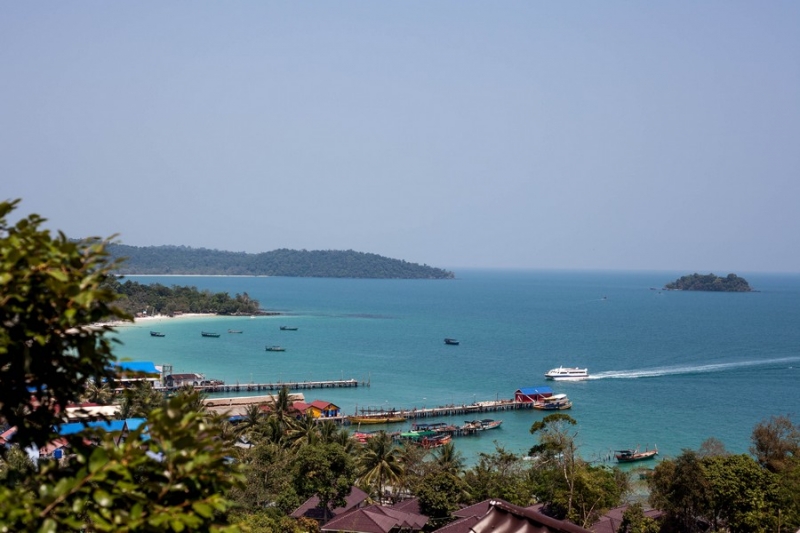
709	282
291	263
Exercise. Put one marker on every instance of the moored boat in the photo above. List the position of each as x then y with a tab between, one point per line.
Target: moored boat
208	334
376	419
630	456
568	374
157	334
235	331
482	425
451	342
275	349
556	402
436	441
288	328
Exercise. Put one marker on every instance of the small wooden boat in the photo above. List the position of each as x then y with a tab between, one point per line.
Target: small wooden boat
276	349
376	419
235	331
436	441
482	425
157	334
451	342
288	328
208	334
630	456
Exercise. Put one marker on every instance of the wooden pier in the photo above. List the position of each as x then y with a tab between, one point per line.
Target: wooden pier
490	406
291	385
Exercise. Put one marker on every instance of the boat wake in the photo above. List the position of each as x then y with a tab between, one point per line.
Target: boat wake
690	369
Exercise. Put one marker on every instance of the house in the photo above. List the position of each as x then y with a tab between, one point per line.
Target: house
532	394
376	519
318	409
502	516
311	509
129	372
174	381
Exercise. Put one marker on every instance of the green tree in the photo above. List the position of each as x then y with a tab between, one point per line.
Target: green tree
176	479
379	464
635	521
680	488
324	470
776	442
742	494
51	292
439	494
501	474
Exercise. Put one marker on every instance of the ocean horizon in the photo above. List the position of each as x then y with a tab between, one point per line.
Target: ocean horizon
668	368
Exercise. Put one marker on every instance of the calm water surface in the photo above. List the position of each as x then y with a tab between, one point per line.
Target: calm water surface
668	368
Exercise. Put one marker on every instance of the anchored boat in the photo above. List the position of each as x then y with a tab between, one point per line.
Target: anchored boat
630	456
208	334
157	334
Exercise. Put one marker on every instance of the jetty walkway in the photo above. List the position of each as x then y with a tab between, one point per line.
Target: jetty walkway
446	410
291	385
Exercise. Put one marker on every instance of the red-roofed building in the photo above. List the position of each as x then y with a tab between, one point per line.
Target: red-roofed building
610	522
376	519
311	509
318	408
502	516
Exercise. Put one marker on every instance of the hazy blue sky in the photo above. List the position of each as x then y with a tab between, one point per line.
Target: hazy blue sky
587	135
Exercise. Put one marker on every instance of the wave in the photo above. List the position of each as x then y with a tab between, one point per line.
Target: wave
689	369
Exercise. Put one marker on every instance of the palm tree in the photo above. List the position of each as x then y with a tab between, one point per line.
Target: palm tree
449	460
280	408
304	431
379	463
99	394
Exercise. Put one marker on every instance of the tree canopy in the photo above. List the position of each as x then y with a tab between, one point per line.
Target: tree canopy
709	282
282	262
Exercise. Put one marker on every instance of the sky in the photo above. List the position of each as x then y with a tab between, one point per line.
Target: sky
514	134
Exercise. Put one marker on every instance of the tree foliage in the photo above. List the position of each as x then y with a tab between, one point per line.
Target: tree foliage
283	262
158	299
709	282
51	291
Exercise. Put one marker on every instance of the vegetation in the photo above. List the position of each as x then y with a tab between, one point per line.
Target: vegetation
182	472
709	282
283	262
152	299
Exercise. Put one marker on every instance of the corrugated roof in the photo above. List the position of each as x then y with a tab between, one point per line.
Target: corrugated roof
146	367
536	390
506	518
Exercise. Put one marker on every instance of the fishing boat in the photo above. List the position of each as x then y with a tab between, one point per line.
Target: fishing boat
451	342
275	349
235	331
556	402
288	328
436	441
568	374
157	334
376	419
208	334
630	456
482	425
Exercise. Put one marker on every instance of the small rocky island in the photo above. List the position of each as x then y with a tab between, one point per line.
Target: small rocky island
709	282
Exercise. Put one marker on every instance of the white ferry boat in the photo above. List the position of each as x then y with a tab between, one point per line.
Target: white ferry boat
568	374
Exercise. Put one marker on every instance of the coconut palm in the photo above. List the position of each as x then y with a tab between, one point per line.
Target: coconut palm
304	431
99	394
379	463
449	460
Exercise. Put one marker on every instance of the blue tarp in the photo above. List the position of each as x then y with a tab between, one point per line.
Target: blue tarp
147	367
76	427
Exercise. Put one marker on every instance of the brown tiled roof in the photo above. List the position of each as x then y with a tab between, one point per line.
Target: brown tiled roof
462	525
478	509
610	522
504	517
311	509
408	506
375	519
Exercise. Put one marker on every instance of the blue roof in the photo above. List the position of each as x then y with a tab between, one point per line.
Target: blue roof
147	367
77	427
536	390
134	423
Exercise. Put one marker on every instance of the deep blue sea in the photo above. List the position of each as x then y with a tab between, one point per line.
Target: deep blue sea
668	368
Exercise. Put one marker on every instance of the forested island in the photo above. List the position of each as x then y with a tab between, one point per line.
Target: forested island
176	260
158	299
709	282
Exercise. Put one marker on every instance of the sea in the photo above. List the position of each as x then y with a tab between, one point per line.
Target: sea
669	369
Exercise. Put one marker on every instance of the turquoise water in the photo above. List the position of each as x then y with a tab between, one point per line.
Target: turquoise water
669	368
